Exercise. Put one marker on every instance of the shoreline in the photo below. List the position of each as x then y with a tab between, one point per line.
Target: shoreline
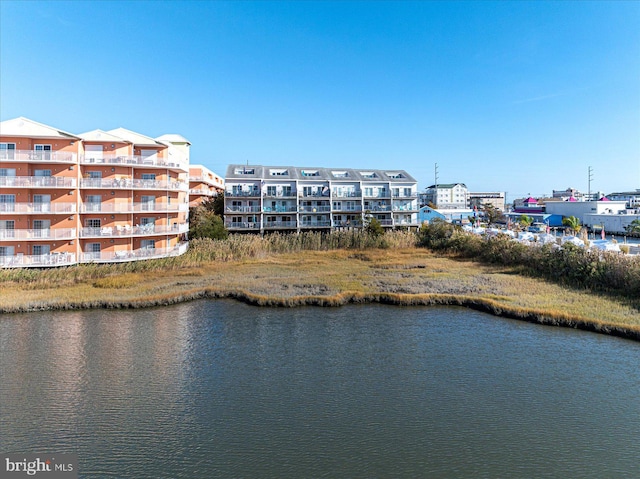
344	299
401	277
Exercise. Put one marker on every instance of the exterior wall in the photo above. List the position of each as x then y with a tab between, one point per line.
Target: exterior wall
613	223
296	199
580	209
52	220
203	184
481	199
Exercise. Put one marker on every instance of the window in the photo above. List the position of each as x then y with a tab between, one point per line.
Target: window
93	203
7	229
43	152
286	190
6	251
41	228
310	173
147	244
148	221
92	223
271	191
7	151
42	173
148	176
368	174
279	172
244	171
395	174
42	203
340	174
95	174
7	203
7	172
148	203
40	249
407	192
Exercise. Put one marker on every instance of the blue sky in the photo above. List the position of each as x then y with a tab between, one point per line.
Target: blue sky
513	96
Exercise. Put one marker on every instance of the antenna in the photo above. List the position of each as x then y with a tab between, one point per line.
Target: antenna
590	178
435	199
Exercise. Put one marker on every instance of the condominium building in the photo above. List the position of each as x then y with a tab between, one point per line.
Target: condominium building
203	184
99	196
268	198
445	195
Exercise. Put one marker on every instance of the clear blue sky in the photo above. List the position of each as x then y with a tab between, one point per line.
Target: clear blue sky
510	96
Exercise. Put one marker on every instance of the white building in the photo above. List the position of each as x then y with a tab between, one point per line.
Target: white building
287	198
446	196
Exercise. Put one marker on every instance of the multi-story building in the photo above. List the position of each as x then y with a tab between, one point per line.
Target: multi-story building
478	200
446	195
203	184
631	197
265	198
100	196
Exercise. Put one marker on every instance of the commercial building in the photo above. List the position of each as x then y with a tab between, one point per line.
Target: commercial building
286	198
99	196
446	196
480	199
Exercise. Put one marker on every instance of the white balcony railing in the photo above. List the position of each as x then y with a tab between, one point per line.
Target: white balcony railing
242	225
315	224
135	161
280	224
27	208
38	234
129	230
38	156
37	182
133	255
40	260
129	184
243	209
132	207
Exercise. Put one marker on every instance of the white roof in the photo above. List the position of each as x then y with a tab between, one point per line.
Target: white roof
136	138
100	135
28	128
173	138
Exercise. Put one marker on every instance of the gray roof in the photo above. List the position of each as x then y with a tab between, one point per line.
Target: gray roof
261	172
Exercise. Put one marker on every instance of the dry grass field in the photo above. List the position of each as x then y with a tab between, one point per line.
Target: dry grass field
403	276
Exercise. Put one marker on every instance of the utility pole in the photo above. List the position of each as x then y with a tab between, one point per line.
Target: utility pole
435	198
590	178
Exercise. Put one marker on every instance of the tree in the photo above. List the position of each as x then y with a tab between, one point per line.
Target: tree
491	213
634	227
205	220
573	224
372	225
525	221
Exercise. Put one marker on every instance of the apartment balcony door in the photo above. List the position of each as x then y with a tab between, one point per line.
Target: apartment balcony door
40	249
148	203
41	228
7	203
43	152
42	203
7	151
7	229
92	250
93	153
93	203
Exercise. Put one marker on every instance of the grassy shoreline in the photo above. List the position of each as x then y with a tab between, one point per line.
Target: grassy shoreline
400	275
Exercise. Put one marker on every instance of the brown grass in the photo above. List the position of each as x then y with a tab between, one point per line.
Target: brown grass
402	276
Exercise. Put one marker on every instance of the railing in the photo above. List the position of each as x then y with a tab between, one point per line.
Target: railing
133	255
379	208
356	208
280	224
43	156
405	208
38	181
137	230
203	191
40	260
128	183
26	208
132	207
405	222
314	194
279	209
142	161
347	224
315	224
383	194
403	195
38	234
242	194
209	181
281	194
314	209
243	209
347	194
242	224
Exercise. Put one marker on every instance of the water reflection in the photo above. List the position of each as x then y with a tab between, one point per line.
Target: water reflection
221	389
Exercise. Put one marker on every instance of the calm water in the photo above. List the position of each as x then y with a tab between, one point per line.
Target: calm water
221	389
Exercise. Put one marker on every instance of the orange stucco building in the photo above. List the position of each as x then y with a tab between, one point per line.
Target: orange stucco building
100	196
203	184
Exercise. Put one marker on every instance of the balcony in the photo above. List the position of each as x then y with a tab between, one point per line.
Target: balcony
137	230
37	182
132	207
37	208
243	209
280	209
134	161
314	194
280	194
38	234
379	208
380	194
347	194
129	184
254	225
37	261
314	209
133	255
315	224
349	209
405	208
38	156
243	194
280	224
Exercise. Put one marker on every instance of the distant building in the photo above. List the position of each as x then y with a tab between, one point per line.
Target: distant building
582	209
446	196
631	197
528	205
478	200
289	198
203	184
569	193
457	215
